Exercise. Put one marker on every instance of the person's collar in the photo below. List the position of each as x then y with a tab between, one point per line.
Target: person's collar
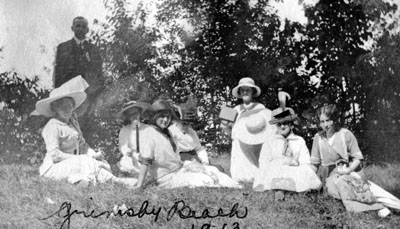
247	107
291	136
60	122
78	41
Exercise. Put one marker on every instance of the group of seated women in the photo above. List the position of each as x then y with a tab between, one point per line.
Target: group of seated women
159	147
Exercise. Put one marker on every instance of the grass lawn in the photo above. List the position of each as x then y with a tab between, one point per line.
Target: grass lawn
26	198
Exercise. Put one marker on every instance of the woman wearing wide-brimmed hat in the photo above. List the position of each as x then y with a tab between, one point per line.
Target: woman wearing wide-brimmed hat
68	156
284	158
133	118
248	132
159	157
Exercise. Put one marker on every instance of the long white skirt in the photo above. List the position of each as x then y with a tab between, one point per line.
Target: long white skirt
193	174
80	168
244	161
283	177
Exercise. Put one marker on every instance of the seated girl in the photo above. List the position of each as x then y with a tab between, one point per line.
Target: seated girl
188	143
159	158
336	155
129	135
68	156
285	159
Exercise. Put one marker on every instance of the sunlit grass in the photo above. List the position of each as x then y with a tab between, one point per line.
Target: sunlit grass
25	198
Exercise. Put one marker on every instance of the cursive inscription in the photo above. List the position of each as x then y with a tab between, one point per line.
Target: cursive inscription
66	212
179	209
184	212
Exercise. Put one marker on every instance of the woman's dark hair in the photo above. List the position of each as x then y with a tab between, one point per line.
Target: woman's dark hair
332	113
157	114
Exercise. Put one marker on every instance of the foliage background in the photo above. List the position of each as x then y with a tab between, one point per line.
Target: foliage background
220	42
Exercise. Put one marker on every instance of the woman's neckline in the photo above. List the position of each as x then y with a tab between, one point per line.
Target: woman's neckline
63	121
249	106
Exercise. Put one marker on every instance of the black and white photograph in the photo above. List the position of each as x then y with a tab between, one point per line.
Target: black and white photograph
199	114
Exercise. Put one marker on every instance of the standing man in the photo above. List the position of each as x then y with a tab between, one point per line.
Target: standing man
79	57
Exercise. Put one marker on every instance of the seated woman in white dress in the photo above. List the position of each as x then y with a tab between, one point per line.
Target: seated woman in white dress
285	159
129	135
159	158
186	139
68	156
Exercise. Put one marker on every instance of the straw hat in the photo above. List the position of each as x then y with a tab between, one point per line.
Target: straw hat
74	88
160	105
246	82
131	104
253	127
43	106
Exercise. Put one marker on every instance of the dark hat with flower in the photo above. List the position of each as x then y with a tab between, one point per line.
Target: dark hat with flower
161	105
283	113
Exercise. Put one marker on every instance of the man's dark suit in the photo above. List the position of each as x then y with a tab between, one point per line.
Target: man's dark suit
72	60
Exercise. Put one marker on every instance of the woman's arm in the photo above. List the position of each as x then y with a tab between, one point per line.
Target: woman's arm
227	127
304	153
50	135
354	153
123	142
146	156
315	154
142	175
352	167
57	155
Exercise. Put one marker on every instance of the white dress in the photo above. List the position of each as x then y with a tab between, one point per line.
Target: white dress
62	139
275	173
244	157
167	169
127	143
188	141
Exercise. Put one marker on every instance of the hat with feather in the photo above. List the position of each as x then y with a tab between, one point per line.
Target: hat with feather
283	113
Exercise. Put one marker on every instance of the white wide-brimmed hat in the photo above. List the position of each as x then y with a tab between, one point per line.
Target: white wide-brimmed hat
73	88
253	128
246	82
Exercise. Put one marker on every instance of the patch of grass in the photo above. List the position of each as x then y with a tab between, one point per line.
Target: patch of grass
385	175
25	198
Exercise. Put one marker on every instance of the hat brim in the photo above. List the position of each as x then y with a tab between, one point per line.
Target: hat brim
253	138
235	90
141	105
245	135
294	118
43	106
174	116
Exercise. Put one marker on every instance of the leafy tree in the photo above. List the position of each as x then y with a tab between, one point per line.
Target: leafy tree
231	40
380	71
19	139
